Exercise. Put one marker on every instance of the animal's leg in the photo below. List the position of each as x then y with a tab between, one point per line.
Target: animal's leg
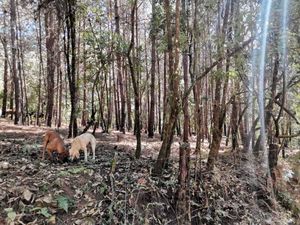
85	153
50	154
43	154
87	150
93	145
44	149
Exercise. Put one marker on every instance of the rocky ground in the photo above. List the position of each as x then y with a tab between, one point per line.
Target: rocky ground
117	189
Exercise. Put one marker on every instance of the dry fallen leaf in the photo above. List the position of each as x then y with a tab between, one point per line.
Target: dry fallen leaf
52	220
4	165
27	196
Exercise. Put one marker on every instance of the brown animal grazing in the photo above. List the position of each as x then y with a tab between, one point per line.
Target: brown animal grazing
54	143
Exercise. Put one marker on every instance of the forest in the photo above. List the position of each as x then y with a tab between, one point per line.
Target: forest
150	112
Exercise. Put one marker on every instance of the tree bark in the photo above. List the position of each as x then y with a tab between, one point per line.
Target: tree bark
183	205
218	110
171	119
159	96
128	99
119	71
71	66
135	84
41	70
84	115
5	70
21	70
13	60
153	62
50	44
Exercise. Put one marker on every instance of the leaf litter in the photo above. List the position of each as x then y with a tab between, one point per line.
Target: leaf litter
117	189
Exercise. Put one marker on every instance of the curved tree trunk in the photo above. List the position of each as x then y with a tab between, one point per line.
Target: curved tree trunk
218	106
171	119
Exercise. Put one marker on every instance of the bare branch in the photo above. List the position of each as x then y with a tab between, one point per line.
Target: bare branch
214	64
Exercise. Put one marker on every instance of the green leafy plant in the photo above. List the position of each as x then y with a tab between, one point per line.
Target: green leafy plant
42	211
64	202
11	214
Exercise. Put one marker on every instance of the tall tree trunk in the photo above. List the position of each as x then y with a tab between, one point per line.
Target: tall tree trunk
152	84
135	84
159	95
218	110
13	60
184	155
5	70
21	71
235	109
128	99
165	106
84	101
119	71
41	69
107	100
71	66
11	95
173	96
59	71
194	71
116	102
50	46
186	116
269	108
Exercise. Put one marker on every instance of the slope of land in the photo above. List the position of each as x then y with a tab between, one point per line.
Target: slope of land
117	189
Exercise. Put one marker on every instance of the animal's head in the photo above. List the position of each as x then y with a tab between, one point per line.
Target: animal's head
64	156
60	157
74	153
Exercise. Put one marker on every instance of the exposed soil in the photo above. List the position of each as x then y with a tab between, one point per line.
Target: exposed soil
43	192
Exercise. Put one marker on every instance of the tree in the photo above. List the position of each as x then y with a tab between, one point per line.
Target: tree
50	43
41	69
119	71
15	77
135	84
173	96
5	70
218	111
70	54
183	204
153	62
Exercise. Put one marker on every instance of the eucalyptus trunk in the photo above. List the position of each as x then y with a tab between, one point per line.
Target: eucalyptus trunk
119	71
15	77
5	70
152	83
173	97
135	84
50	46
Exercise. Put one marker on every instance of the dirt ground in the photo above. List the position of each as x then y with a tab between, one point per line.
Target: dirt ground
117	189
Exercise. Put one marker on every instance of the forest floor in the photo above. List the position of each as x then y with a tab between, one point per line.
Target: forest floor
42	192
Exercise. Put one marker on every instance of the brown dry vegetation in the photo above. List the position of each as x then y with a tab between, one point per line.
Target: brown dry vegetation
118	189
